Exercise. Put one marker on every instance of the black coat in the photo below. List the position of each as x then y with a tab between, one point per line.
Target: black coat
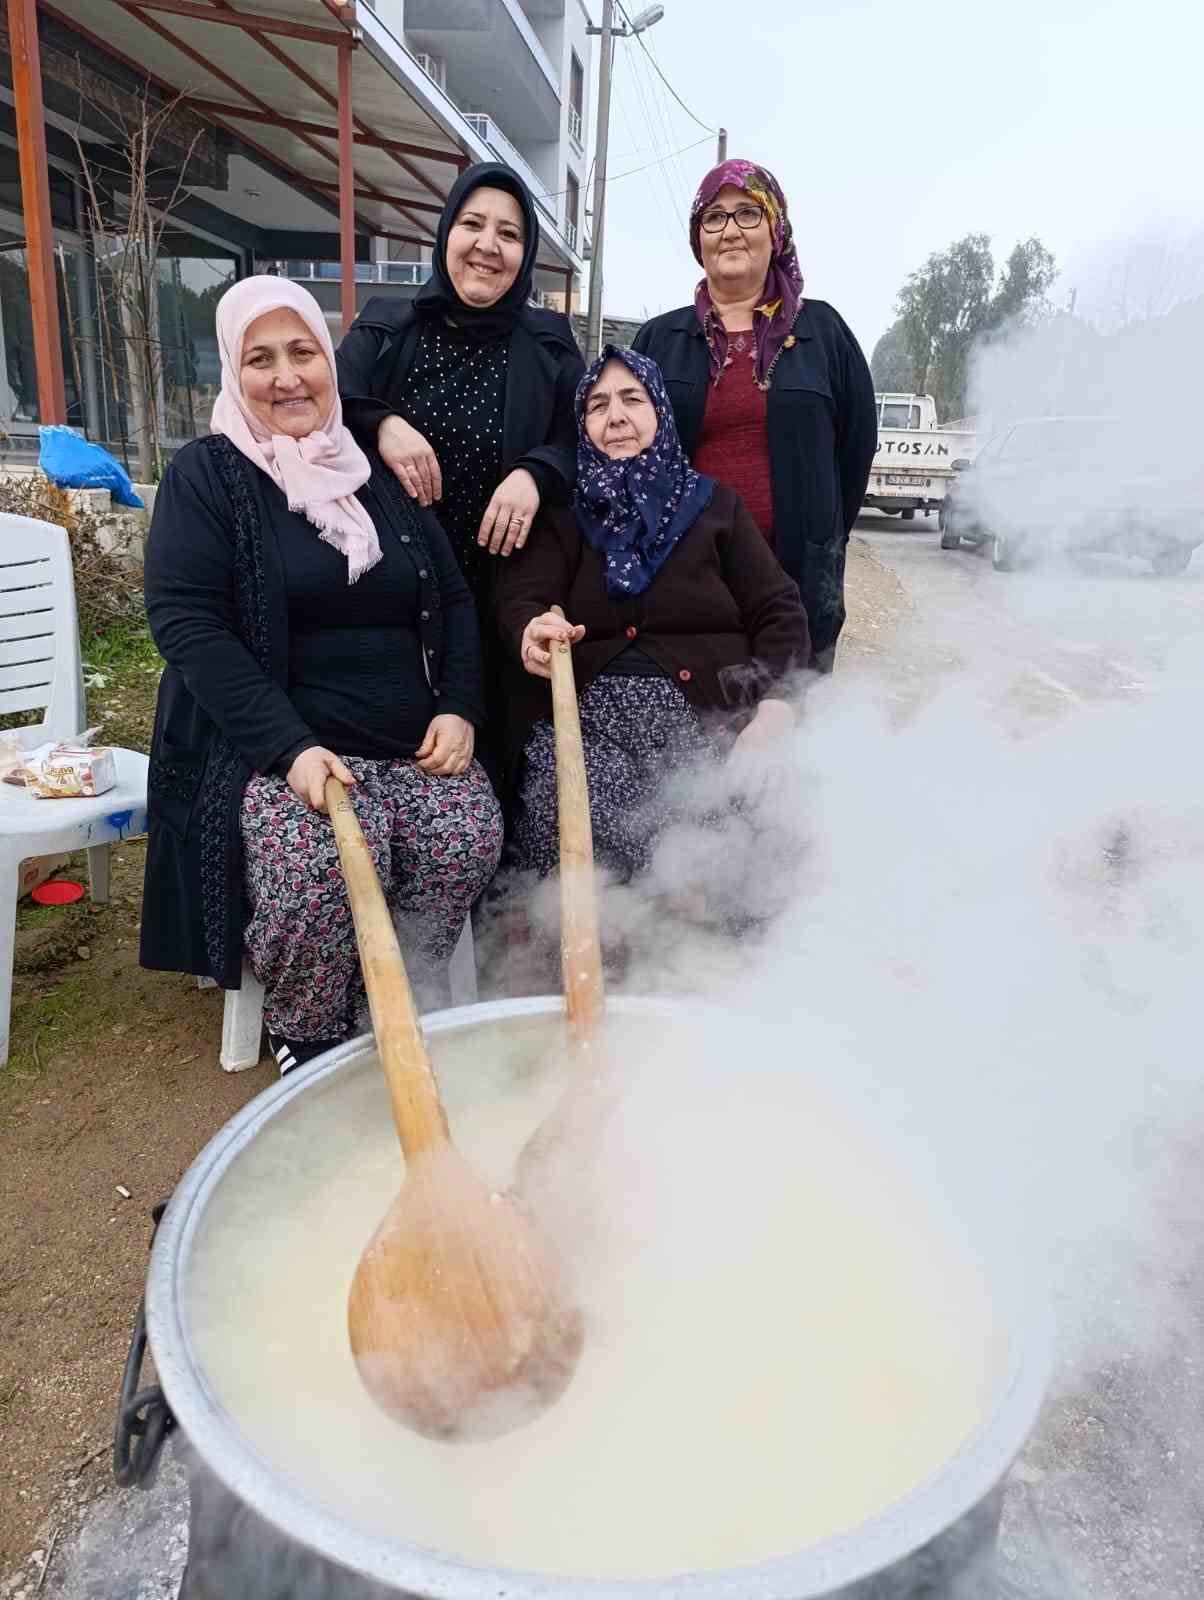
823	431
218	609
544	366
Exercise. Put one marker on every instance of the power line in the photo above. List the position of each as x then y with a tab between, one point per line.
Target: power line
650	104
640	38
613	177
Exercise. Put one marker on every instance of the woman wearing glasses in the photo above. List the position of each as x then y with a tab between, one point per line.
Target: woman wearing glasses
771	392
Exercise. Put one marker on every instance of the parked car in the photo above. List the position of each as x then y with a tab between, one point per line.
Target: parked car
1077	483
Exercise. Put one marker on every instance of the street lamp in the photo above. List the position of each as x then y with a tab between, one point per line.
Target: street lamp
608	32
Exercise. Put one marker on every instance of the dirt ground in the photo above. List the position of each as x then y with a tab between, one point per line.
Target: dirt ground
114	1081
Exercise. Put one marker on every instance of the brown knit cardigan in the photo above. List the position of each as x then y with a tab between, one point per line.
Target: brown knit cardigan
721	618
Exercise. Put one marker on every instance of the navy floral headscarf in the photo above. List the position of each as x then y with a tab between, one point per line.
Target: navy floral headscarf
636	510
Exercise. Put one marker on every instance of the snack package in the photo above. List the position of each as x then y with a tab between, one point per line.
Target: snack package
70	770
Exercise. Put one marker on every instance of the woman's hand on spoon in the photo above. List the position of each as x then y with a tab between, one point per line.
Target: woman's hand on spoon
308	774
540	632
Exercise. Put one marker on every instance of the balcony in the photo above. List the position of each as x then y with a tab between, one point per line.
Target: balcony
403	272
486	128
494	58
575	127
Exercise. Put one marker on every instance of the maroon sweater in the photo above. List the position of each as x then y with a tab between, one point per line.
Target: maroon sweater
721	618
733	444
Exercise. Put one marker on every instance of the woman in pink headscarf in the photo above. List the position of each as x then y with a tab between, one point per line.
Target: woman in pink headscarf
314	623
771	393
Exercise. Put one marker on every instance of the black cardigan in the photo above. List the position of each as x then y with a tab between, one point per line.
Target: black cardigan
218	610
823	431
721	619
544	366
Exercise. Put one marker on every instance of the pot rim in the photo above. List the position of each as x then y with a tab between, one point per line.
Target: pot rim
809	1574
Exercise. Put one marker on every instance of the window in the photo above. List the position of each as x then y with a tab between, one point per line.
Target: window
576	99
572	201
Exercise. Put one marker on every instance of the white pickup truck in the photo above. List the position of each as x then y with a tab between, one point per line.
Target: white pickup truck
914	460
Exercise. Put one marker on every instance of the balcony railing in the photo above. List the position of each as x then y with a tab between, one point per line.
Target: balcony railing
486	128
570	234
415	272
575	126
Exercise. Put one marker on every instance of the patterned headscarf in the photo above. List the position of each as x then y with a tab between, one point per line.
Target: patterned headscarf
782	296
636	510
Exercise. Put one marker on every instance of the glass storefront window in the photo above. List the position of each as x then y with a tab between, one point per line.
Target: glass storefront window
189	289
19	392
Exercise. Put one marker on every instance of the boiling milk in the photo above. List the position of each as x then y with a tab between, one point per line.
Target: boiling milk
777	1347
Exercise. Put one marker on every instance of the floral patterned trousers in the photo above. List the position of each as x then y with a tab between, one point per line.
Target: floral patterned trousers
635	733
435	843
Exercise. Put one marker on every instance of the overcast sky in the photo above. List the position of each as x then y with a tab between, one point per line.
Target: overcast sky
896	128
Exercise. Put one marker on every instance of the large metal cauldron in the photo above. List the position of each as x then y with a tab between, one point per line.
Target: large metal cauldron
257	1537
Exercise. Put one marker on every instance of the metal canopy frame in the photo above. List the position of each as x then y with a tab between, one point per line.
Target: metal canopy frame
335	144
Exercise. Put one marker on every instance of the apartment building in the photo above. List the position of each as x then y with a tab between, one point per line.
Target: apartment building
517	72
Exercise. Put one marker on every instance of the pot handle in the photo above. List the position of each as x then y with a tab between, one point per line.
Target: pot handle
144	1418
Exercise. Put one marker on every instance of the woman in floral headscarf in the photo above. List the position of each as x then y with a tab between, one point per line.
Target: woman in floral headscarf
676	609
771	392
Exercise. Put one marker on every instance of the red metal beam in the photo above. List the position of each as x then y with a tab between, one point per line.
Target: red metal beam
248	21
240	89
286	61
35	203
365	191
342	10
324	94
171	89
346	189
372	141
401	238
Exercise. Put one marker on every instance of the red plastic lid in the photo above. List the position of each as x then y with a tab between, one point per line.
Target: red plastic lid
57	892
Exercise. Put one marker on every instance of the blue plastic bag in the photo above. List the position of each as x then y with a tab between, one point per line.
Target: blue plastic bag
75	463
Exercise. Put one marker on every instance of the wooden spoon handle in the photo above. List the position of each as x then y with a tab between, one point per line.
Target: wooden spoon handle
417	1109
580	946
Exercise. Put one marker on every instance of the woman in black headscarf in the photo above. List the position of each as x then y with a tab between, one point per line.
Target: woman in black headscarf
467	391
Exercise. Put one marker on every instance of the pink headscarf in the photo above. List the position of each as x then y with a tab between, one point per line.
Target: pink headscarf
320	473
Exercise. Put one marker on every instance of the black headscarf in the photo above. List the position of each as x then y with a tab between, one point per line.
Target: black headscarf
438	296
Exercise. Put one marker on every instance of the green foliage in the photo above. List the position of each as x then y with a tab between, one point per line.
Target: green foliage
891	365
108	587
956	300
125	647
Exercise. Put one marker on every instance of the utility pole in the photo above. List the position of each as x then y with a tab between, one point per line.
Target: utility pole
593	326
608	34
721	148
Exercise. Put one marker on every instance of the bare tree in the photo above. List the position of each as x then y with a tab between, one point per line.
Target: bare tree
129	204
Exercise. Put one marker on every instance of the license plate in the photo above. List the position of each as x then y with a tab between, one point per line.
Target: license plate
903	483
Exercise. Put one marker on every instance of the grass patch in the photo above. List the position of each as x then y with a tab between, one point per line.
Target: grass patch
122	669
125	647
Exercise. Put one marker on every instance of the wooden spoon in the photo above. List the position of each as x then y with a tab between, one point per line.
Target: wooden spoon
580	944
579	1108
457	1315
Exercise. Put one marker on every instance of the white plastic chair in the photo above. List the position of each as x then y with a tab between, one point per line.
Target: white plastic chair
40	666
242	1018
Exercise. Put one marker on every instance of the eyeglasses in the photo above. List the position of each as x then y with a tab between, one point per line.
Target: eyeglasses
747	216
